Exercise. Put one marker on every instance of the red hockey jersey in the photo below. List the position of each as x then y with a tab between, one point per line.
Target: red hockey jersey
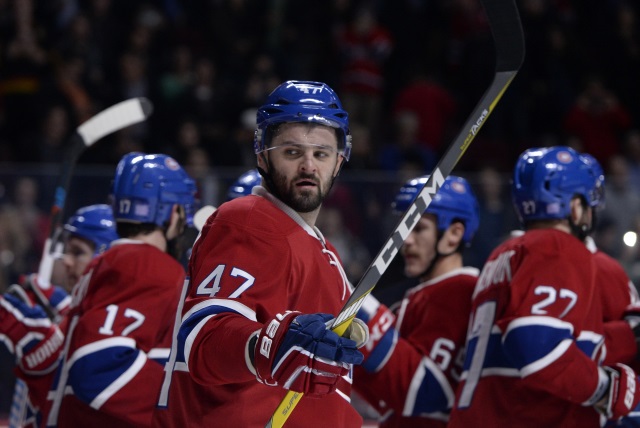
617	292
255	258
432	322
118	337
535	337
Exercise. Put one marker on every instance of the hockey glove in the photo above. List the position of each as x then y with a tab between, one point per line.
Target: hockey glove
30	335
299	353
622	394
31	291
382	335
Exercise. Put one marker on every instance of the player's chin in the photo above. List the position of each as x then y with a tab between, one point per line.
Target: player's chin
413	267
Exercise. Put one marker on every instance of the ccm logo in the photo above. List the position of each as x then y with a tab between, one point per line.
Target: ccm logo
269	333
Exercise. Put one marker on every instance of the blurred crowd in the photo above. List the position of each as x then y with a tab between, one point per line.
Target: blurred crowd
408	71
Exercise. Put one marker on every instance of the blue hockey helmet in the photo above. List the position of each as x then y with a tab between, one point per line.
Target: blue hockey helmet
455	201
95	224
146	186
244	184
546	179
598	172
303	101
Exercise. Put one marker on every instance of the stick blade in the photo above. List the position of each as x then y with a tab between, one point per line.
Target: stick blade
201	216
115	118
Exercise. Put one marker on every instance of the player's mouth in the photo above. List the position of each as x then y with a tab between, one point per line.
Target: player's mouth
306	184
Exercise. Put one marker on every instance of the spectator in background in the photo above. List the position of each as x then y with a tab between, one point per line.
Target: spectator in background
186	136
205	100
365	156
173	84
433	106
48	142
23	229
353	253
365	46
496	213
631	152
406	147
622	200
598	119
69	79
197	163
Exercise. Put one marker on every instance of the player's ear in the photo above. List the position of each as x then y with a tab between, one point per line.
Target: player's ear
457	231
453	236
580	212
177	221
339	163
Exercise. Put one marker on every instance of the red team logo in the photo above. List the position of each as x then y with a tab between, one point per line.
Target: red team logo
171	164
458	187
564	157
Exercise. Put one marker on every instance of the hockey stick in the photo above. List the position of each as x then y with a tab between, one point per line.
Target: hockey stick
108	121
201	216
504	20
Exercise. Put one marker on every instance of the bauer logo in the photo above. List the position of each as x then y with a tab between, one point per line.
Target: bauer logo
171	164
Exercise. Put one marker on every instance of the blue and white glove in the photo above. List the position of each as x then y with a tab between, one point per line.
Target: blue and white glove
298	352
30	335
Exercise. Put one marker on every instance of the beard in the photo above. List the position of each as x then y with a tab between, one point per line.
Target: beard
300	201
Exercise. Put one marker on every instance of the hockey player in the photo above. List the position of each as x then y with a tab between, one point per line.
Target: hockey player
90	232
119	326
244	184
412	360
264	281
535	340
616	289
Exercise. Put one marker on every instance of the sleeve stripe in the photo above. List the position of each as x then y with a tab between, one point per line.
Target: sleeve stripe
224	305
439	393
192	337
547	360
195	318
121	381
83	351
539	321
